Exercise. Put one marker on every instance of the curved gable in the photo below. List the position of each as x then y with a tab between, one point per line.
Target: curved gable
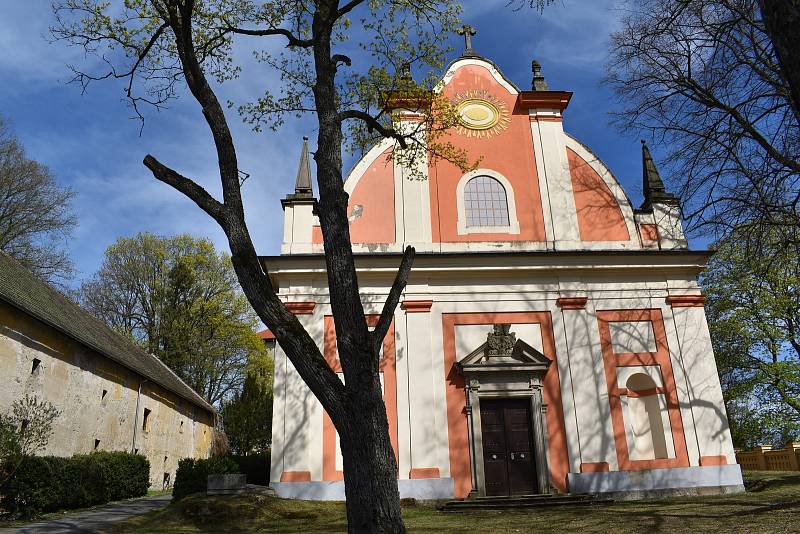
603	209
599	215
482	64
371	207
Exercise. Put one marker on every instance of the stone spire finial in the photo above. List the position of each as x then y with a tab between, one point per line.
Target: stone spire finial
302	187
467	31
405	71
652	185
538	83
405	81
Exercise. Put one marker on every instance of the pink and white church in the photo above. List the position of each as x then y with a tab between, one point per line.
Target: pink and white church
552	337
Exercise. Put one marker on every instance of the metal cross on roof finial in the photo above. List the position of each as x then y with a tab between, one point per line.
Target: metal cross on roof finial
467	31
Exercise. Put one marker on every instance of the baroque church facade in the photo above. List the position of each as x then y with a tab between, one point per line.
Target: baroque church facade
552	336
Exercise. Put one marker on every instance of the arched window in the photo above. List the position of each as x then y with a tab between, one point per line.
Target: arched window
649	440
485	202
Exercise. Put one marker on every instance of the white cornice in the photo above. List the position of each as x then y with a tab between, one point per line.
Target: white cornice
689	262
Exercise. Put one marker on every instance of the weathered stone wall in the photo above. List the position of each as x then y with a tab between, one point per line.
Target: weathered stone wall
98	399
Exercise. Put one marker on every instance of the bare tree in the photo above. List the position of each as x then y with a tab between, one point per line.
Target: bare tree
158	43
35	212
703	79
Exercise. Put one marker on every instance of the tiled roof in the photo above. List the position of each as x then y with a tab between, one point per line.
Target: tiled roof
23	290
266	334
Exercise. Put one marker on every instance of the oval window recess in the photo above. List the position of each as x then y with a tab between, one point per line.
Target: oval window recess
478	114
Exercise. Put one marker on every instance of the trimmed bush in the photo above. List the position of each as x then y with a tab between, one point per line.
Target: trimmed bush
49	483
192	475
255	466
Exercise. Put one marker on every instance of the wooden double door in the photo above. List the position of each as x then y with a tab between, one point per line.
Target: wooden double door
508	452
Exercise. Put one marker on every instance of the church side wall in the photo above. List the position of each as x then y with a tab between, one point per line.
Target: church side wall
75	378
714	443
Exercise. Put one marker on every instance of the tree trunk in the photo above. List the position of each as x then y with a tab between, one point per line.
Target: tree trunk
782	19
370	468
373	499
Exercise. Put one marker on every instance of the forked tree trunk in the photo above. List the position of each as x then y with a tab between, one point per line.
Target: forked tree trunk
357	409
370	469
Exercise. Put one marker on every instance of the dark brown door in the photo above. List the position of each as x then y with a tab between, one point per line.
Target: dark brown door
508	458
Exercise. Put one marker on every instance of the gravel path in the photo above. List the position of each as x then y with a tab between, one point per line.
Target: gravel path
93	520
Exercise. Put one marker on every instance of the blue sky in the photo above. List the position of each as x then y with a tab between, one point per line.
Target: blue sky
91	144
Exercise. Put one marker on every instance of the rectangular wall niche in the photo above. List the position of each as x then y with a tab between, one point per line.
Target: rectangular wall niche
146	420
632	337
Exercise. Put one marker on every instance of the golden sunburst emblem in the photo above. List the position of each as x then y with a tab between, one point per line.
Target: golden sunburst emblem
480	114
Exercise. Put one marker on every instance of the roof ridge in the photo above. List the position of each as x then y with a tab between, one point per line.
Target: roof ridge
13	275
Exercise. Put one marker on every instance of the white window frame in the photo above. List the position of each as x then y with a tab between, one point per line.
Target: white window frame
463	229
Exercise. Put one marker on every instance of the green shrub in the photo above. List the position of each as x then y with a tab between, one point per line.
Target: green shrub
125	475
49	483
192	475
255	466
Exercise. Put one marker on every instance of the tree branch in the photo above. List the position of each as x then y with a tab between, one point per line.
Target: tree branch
399	284
348	7
293	40
374	124
188	187
341	58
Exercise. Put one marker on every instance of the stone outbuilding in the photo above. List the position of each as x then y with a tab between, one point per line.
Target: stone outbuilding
113	396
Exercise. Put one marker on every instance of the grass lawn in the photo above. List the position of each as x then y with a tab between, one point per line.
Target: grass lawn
771	505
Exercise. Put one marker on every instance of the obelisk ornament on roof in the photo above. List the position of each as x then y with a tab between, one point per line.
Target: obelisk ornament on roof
538	83
303	190
652	185
302	186
467	31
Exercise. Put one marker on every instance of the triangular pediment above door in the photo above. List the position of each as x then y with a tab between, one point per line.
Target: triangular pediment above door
503	352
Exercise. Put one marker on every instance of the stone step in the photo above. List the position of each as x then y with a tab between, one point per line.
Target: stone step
534	497
520	502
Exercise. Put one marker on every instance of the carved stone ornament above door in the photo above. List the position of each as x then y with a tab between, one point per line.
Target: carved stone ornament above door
503	352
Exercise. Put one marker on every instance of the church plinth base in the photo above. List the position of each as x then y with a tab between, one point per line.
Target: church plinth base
629	485
425	489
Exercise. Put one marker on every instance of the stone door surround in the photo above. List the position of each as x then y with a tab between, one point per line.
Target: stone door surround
505	368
